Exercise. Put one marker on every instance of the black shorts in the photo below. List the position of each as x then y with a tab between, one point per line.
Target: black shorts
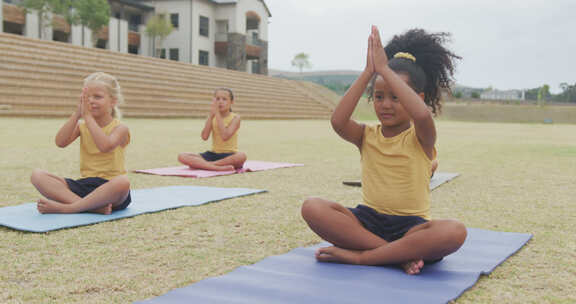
211	156
388	227
85	186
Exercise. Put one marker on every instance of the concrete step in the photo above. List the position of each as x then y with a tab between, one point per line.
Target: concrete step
43	78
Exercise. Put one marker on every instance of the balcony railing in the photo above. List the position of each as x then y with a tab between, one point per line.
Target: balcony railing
250	40
221	37
253	41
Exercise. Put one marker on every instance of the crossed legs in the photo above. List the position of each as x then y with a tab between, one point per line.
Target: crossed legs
354	244
59	199
229	163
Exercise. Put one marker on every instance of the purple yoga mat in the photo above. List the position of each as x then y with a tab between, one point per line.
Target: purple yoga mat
296	277
249	166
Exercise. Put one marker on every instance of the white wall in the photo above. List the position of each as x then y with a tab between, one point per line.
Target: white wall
227	12
145	48
76	36
31	27
88	37
187	37
118	35
113	34
207	9
123	36
180	37
244	6
1	16
220	62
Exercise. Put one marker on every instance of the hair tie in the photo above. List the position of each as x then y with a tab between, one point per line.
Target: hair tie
405	55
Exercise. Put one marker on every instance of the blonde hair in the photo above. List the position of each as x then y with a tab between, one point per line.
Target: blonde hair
112	87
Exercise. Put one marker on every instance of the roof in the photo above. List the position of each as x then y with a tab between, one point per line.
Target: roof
236	1
136	4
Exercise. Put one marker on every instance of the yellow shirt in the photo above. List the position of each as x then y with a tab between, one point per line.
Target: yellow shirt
94	163
395	173
218	144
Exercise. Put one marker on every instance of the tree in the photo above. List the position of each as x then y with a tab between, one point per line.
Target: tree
93	14
158	28
568	93
43	9
543	94
301	61
531	94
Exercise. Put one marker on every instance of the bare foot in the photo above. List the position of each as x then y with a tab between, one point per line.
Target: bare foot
225	168
335	254
102	210
49	206
412	267
215	168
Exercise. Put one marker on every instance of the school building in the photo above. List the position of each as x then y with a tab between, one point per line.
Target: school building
492	94
231	34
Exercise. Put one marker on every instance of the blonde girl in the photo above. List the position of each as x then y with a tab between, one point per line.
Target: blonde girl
223	124
104	187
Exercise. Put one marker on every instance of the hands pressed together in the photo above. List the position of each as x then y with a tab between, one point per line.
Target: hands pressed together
214	110
376	59
83	110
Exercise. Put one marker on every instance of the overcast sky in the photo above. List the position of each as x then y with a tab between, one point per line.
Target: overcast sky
506	44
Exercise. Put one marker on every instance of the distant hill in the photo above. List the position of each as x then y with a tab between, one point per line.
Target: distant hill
340	80
337	81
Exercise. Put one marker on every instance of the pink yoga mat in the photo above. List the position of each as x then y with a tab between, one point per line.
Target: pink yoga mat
184	171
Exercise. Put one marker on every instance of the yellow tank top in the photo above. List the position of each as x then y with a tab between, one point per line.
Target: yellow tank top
94	163
218	144
395	173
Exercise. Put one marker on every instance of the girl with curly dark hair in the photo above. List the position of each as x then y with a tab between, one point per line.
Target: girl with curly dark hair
393	223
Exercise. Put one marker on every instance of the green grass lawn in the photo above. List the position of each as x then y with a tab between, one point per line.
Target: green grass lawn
515	177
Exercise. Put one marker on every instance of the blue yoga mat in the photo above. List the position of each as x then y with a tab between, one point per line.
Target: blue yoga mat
296	277
438	179
27	218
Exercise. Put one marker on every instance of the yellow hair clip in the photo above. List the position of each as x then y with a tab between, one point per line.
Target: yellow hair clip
405	55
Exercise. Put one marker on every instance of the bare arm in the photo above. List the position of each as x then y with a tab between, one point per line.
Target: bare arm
411	101
227	131
107	143
207	127
347	128
70	131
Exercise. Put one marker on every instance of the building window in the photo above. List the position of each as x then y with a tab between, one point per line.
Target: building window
174	54
60	36
13	28
135	21
203	58
133	49
101	43
161	53
174	20
255	67
204	26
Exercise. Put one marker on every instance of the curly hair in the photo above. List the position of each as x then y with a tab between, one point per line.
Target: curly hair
433	69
